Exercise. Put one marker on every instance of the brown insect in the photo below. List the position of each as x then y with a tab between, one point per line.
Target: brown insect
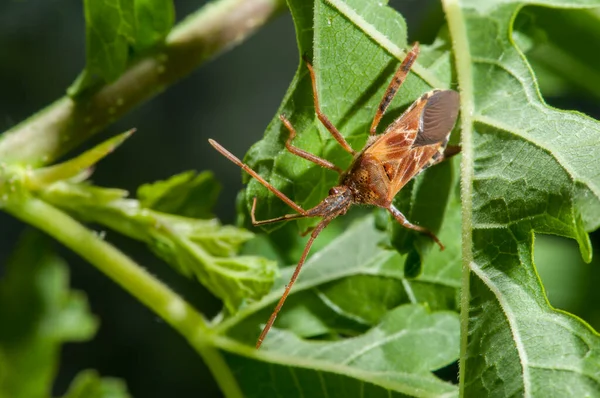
413	142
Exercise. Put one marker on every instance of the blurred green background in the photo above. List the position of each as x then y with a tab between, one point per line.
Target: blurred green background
232	99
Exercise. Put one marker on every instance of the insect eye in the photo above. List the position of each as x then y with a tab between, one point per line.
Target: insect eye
332	191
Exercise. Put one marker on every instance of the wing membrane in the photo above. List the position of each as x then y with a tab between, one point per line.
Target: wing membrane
417	138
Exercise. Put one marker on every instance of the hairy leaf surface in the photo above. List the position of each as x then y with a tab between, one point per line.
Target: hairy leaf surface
404	342
528	169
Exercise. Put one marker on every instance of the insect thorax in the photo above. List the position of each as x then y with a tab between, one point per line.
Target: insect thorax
367	181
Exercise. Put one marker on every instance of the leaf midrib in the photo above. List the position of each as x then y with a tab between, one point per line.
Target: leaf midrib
511	319
463	65
377	378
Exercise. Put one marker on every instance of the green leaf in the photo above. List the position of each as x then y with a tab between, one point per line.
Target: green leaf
187	194
200	248
110	29
527	169
154	20
355	253
87	384
426	342
408	331
38	313
75	168
395	358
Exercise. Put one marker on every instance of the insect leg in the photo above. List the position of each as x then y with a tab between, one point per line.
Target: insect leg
303	154
321	116
394	86
253	173
407	224
288	287
272	220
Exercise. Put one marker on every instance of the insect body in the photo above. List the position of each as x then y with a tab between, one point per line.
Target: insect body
413	142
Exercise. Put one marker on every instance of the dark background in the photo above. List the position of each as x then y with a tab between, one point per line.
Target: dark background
232	99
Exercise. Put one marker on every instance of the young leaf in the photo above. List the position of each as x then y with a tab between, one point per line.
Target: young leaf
527	168
77	167
194	247
187	194
38	313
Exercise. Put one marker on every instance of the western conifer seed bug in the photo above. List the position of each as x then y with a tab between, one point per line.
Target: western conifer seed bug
414	141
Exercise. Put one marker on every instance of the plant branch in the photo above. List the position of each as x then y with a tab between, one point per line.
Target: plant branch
67	123
462	55
133	278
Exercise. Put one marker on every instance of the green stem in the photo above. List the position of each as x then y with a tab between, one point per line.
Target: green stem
143	286
462	55
60	127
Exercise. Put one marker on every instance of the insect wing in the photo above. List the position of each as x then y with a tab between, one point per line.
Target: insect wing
437	118
417	138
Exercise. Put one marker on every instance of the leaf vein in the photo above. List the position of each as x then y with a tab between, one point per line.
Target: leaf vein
511	319
551	151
